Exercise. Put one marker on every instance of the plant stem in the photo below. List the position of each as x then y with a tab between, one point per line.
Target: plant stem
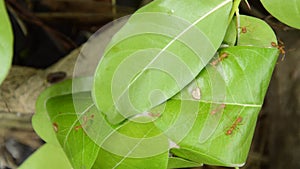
234	8
114	10
238	24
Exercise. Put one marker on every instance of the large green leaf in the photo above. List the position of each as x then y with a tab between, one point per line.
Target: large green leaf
73	117
128	146
286	11
47	157
157	53
6	42
213	135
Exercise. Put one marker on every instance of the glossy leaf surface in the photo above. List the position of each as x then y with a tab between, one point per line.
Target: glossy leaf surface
286	11
219	131
72	124
79	148
85	153
128	145
255	32
6	42
112	159
157	53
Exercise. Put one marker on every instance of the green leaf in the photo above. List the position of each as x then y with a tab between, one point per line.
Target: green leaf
79	148
6	42
73	118
234	9
255	32
41	121
128	146
157	53
175	162
285	11
221	121
47	157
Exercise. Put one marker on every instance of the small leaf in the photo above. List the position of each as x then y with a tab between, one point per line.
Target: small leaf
157	53
255	32
47	157
285	11
6	42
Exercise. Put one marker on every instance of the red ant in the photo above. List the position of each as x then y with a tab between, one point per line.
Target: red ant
244	29
221	57
280	47
234	125
55	126
153	114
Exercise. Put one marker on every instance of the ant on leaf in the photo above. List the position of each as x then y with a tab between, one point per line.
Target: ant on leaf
219	59
280	47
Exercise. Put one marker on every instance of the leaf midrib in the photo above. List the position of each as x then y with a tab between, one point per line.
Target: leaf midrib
226	103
